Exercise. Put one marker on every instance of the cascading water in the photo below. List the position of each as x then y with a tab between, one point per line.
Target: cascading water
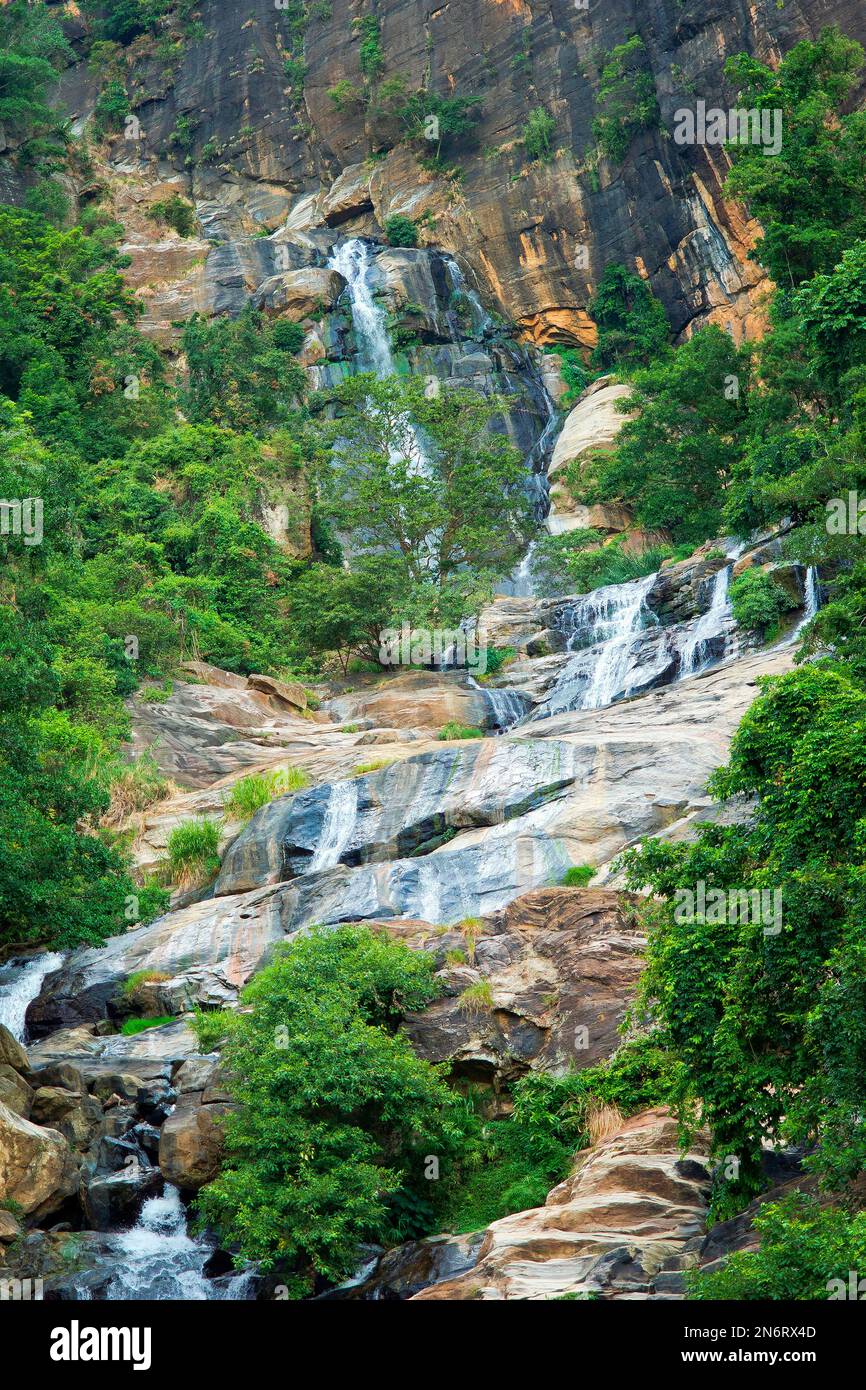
20	983
507	706
481	321
603	628
812	597
353	261
337	826
696	653
158	1259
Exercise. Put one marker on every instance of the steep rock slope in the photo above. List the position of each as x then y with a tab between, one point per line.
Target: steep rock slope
222	122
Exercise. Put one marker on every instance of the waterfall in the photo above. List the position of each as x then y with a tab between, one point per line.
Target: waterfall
610	673
481	321
507	706
696	653
605	626
812	596
159	1260
20	984
337	826
353	261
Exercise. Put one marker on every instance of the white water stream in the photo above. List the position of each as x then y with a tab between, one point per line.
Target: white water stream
20	983
158	1259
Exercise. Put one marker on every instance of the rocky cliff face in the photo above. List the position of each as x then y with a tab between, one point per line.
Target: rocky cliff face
220	121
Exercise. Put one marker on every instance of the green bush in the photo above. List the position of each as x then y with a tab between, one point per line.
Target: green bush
338	1113
578	876
401	231
627	101
757	600
453	730
250	793
176	212
193	852
807	1252
538	133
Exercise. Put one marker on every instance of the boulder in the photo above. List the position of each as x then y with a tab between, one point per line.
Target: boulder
398	810
349	196
191	1143
630	1208
415	700
286	696
12	1054
299	294
14	1090
52	1104
10	1228
38	1171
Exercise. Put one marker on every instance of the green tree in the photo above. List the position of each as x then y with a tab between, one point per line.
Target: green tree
672	462
240	373
537	134
627	102
338	1112
811	197
428	481
632	324
766	1010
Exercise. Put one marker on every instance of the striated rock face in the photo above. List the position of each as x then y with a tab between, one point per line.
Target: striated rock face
561	964
573	788
255	154
626	1214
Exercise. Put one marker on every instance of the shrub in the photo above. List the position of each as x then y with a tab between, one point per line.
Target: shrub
287	336
345	96
337	1112
252	792
112	107
537	134
401	231
578	876
804	1249
192	852
757	600
476	999
134	787
453	730
627	101
176	212
497	657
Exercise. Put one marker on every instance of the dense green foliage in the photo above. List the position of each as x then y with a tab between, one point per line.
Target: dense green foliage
339	1114
767	1012
627	102
632	326
401	231
510	1164
538	134
807	1252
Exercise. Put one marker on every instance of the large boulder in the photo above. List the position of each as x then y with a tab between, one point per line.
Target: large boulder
38	1170
192	1142
416	700
12	1054
625	1215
